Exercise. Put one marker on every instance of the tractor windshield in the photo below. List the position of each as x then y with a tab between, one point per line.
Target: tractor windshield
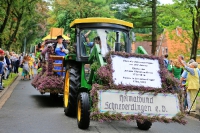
108	40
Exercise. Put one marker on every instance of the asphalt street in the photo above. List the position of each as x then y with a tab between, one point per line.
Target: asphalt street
27	111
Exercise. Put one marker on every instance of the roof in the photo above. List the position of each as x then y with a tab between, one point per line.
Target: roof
101	20
54	37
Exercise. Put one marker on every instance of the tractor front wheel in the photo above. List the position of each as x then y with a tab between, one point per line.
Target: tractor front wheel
146	125
72	83
83	110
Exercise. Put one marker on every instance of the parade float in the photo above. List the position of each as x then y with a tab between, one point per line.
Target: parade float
108	82
47	81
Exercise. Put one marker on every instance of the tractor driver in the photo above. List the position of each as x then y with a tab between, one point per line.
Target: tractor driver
97	40
91	44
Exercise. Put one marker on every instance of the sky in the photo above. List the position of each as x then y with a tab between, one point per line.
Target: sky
165	1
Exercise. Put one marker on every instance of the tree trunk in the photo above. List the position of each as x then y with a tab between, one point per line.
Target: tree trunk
195	28
12	37
154	28
5	20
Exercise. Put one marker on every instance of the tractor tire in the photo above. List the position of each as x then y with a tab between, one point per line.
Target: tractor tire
72	83
144	126
83	110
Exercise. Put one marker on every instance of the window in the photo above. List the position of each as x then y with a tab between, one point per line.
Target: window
163	51
166	50
107	39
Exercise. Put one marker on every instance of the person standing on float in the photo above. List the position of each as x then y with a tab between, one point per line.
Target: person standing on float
193	83
60	50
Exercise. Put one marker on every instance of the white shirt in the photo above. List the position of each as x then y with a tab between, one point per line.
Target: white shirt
61	45
4	62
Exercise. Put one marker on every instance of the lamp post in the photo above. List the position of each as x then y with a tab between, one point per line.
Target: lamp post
24	45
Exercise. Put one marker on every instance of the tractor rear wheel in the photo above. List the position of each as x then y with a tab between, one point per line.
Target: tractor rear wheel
83	110
72	83
144	126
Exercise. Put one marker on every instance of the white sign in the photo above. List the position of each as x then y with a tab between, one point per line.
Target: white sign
132	102
136	71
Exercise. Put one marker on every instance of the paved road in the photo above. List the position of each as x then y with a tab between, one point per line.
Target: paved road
26	111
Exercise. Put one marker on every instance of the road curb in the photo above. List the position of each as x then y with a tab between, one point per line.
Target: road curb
195	115
5	89
5	94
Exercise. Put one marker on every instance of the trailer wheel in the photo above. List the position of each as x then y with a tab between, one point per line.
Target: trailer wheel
144	126
53	95
83	110
72	83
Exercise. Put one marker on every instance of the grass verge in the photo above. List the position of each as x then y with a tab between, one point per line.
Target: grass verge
9	81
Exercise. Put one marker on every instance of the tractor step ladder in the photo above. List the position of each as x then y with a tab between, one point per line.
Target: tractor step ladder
55	57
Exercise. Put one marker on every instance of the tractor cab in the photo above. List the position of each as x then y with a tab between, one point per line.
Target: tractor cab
109	34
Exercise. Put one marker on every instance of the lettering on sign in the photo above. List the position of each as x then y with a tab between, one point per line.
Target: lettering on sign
136	71
132	102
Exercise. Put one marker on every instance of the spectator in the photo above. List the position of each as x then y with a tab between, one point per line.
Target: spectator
26	69
12	60
193	83
21	59
8	62
1	70
5	73
31	61
166	61
16	64
183	84
176	69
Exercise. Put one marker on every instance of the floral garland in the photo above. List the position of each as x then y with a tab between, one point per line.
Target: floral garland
105	78
46	80
169	83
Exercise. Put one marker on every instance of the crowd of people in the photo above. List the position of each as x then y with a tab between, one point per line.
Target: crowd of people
10	63
189	76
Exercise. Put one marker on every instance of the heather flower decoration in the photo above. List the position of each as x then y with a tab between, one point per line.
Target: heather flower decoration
105	82
46	80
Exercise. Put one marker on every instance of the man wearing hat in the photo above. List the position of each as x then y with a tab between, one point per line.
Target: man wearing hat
60	42
61	50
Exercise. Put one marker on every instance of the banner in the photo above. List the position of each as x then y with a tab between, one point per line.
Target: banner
136	71
133	103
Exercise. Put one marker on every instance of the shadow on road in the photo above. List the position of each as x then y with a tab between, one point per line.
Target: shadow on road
47	101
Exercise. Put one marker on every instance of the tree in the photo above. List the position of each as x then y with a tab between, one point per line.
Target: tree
154	27
65	11
24	18
6	4
195	11
142	13
184	14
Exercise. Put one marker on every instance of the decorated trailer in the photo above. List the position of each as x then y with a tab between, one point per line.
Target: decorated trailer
105	81
46	81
